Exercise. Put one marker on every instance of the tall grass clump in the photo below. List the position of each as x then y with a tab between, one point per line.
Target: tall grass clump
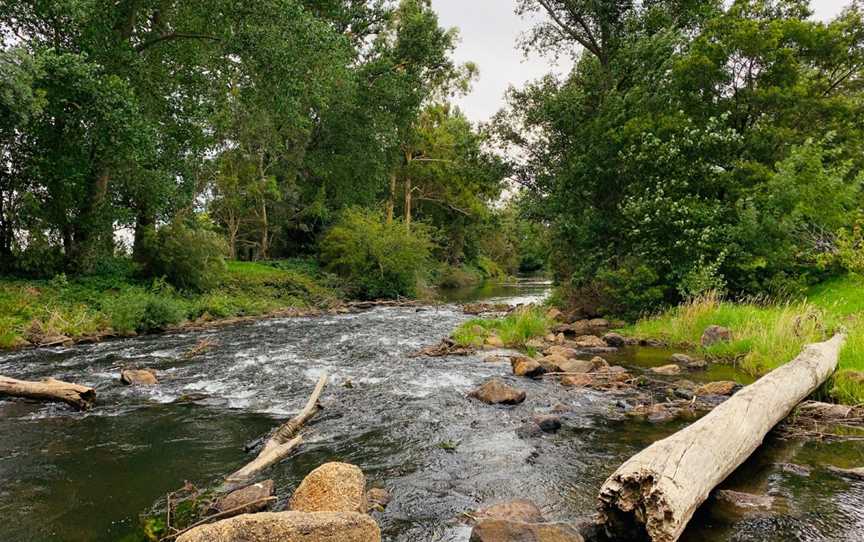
514	330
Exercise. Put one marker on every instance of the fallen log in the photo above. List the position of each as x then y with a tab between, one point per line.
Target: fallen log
284	440
654	494
80	397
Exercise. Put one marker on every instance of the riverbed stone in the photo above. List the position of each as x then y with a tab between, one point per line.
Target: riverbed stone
332	487
138	377
494	341
615	339
715	334
563	351
549	423
599	364
494	392
577	380
730	506
499	530
576	366
247	499
552	363
667	370
288	527
722	387
525	366
516	510
590	341
378	498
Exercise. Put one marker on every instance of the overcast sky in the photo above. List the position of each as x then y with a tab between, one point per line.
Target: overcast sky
489	30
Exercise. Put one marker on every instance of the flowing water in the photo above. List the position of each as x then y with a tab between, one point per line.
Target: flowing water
67	476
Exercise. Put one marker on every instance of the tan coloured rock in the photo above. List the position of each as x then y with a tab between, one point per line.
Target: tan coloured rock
499	530
577	381
494	341
667	370
525	366
563	351
590	341
138	377
249	499
599	364
518	510
288	527
722	387
576	366
495	392
332	487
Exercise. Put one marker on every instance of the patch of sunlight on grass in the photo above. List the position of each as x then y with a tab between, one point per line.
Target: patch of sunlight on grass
514	330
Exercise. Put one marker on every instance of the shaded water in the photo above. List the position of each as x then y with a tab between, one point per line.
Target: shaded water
68	476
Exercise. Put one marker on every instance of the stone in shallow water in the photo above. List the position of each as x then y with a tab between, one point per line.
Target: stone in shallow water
332	487
250	498
288	527
525	366
725	387
667	370
499	530
138	377
517	510
495	392
549	423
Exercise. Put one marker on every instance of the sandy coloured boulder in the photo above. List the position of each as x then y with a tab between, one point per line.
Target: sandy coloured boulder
576	366
332	487
723	387
577	380
715	334
499	530
517	510
249	499
563	351
288	527
525	366
138	377
494	341
494	392
552	363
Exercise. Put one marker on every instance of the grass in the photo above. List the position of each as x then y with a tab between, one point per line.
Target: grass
119	304
767	335
514	330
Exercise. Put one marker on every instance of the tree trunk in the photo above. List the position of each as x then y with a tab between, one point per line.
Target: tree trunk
408	190
391	198
284	440
265	231
655	493
144	222
80	397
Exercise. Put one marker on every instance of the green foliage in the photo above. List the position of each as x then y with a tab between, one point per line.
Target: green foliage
850	246
515	329
190	259
708	142
379	259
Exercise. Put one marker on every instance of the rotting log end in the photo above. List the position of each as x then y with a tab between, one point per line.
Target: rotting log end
632	507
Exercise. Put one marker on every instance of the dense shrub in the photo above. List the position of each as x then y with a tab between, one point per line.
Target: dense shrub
189	258
379	259
144	311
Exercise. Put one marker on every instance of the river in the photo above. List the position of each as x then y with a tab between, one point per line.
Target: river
67	476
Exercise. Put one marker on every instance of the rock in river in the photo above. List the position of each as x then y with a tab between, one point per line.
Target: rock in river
590	341
615	339
332	487
667	370
518	510
525	366
494	392
288	527
717	388
499	530
138	377
251	498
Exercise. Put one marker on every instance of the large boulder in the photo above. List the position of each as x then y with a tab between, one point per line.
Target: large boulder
500	530
494	392
288	527
525	366
247	500
138	377
332	487
715	334
518	510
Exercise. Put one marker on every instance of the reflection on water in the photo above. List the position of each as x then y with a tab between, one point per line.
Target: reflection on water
520	291
68	476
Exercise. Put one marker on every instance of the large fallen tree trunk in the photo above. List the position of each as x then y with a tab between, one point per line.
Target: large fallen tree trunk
655	493
283	441
80	397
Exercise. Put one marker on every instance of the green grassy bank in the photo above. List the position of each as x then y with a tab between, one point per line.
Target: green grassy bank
115	303
768	334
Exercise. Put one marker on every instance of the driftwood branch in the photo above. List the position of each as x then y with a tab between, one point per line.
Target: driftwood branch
284	440
80	397
655	493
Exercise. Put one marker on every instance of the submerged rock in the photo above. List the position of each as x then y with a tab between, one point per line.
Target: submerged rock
549	423
500	530
495	392
138	377
518	510
247	499
715	334
288	527
732	505
332	487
